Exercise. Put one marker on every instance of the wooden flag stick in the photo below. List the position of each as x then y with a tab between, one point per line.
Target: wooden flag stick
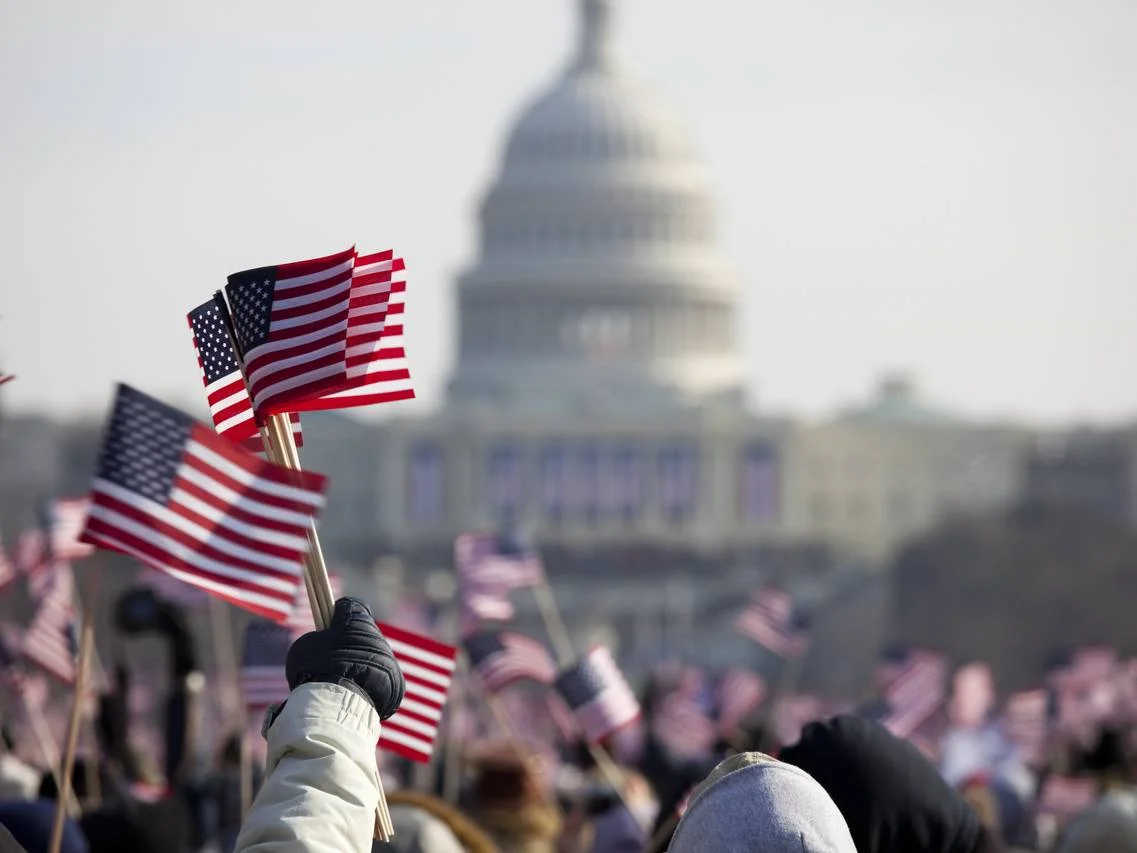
86	644
566	654
280	446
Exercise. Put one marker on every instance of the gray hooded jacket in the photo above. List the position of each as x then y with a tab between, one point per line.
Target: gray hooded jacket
752	802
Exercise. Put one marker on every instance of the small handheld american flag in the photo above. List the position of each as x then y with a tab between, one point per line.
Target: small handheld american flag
65	521
229	404
291	326
428	667
49	641
917	692
263	682
740	692
503	657
377	370
770	621
486	574
597	694
183	500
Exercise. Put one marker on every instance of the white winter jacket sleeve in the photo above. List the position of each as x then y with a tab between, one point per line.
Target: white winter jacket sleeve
321	786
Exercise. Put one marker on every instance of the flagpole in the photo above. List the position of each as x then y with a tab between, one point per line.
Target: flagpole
566	655
280	446
86	644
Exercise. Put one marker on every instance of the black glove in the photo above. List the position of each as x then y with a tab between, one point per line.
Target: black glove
352	652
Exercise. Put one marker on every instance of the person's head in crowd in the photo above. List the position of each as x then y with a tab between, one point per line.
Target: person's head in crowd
165	826
425	824
893	799
1110	759
506	799
754	802
1109	826
29	824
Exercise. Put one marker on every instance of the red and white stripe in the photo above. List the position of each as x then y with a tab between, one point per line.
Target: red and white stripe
304	353
917	693
68	518
377	369
5	378
683	727
48	641
31	551
428	667
740	692
234	525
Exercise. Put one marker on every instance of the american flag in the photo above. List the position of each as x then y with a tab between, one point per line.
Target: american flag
300	620
291	325
484	560
174	590
229	404
502	657
598	695
66	519
769	620
428	667
682	725
917	692
377	370
486	574
263	681
183	500
50	640
31	551
1026	719
8	572
740	692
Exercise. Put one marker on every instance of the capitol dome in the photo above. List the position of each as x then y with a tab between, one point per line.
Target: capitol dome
598	282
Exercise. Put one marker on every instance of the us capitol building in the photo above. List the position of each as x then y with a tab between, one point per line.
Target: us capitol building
597	400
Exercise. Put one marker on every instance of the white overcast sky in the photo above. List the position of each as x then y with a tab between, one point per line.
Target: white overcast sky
947	187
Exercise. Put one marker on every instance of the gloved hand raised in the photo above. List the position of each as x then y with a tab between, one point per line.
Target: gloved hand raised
352	652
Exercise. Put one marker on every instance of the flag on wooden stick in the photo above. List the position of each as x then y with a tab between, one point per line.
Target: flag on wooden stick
51	641
65	522
263	681
428	667
291	326
771	622
229	404
185	501
377	370
598	695
503	657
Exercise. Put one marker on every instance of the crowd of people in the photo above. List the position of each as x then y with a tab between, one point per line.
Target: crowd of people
845	783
